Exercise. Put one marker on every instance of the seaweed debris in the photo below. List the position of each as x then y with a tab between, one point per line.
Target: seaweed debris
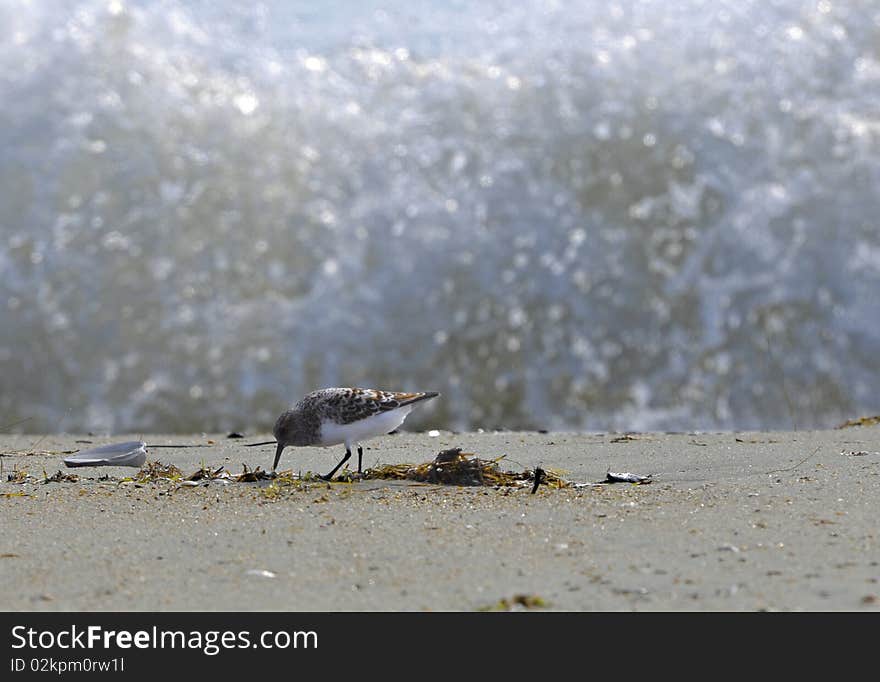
518	602
627	437
206	474
157	471
18	476
248	476
454	467
60	477
861	421
279	483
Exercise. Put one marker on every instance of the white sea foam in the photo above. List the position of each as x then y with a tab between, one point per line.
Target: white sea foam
609	211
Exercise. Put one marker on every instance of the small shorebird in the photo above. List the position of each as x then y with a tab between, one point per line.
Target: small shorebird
343	415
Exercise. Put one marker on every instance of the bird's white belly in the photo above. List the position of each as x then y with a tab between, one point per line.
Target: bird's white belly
376	425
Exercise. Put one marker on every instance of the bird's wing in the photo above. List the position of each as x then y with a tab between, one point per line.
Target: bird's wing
391	400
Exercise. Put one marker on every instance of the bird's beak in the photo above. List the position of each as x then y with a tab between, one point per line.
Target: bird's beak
278	455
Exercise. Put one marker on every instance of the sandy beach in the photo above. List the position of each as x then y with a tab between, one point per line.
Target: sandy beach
732	521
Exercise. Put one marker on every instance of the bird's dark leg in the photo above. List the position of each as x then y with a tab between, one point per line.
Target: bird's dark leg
360	457
336	468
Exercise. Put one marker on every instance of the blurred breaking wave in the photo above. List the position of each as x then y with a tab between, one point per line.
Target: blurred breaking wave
563	215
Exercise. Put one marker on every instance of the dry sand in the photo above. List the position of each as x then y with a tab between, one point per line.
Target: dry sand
732	522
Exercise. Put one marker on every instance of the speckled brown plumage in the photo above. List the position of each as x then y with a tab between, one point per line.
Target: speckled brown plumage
338	411
347	405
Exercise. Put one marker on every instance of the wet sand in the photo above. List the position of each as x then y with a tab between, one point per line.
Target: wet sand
733	521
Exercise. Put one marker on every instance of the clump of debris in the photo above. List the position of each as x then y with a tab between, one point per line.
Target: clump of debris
19	476
861	421
518	602
248	476
454	467
206	474
60	477
157	471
